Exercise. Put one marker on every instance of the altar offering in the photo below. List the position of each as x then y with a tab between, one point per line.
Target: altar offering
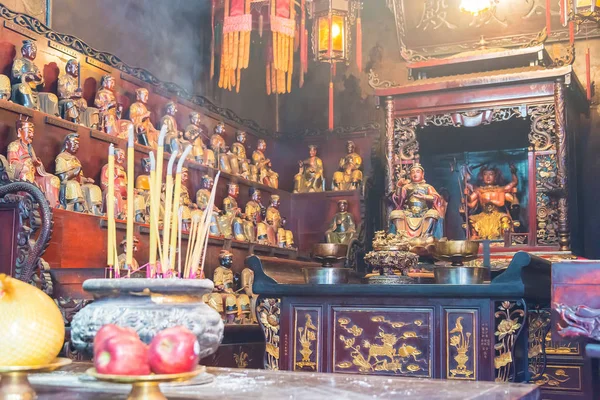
392	258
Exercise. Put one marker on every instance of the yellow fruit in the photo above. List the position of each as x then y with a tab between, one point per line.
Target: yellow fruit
32	330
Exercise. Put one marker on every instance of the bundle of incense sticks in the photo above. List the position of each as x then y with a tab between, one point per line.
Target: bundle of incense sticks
111	250
198	238
155	190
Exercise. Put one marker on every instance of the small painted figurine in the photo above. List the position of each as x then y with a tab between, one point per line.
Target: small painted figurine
107	106
174	137
255	212
27	81
285	237
273	220
77	193
343	228
4	87
185	201
239	161
23	164
310	177
223	276
418	210
247	282
263	165
231	223
202	199
142	193
220	149
120	178
489	216
231	309
193	135
122	259
71	104
215	301
147	135
349	177
244	310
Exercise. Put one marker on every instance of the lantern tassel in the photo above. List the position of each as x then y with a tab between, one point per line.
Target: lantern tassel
548	18
359	44
330	106
212	41
571	33
588	82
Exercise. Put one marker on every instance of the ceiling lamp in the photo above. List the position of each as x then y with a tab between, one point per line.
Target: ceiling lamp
474	7
581	11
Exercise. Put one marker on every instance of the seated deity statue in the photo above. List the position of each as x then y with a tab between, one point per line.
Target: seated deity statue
310	177
266	175
27	82
23	164
110	112
231	222
72	106
120	180
418	211
490	203
142	194
202	199
285	238
193	134
122	259
343	228
5	88
349	177
255	212
220	149
223	276
273	220
239	161
247	282
185	201
77	193
174	138
146	134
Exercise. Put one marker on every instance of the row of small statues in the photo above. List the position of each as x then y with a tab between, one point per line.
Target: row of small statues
27	81
70	189
311	177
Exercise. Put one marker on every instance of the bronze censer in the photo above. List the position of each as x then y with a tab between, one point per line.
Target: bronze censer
328	254
457	252
391	258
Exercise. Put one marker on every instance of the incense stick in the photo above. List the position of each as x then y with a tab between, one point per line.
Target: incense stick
176	200
167	216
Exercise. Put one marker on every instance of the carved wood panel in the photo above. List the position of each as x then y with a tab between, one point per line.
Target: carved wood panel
462	346
307	334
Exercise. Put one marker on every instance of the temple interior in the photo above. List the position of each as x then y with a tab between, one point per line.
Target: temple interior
300	199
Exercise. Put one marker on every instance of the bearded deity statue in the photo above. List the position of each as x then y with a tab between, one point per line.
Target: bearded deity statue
266	175
310	177
73	107
419	211
202	200
193	135
491	204
110	110
255	212
120	179
349	177
342	229
240	162
140	116
231	222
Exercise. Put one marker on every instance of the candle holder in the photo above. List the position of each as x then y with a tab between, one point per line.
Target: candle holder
15	385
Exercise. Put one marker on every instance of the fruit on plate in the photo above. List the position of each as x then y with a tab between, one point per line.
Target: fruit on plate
32	328
110	330
173	351
122	355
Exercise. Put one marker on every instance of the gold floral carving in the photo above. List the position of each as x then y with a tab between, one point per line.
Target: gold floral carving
462	342
354	331
241	359
307	334
269	311
509	326
556	380
560	347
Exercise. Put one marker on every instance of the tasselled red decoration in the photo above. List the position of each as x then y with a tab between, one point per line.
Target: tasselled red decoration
548	17
588	78
359	43
571	33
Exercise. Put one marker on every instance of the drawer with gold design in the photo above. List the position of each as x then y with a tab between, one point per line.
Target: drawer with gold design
560	378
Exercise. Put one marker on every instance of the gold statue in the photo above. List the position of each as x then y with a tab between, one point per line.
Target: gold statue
23	164
285	238
349	177
202	198
107	107
174	138
240	162
231	309
122	259
247	282
342	229
231	223
487	204
5	88
223	276
140	116
71	104
255	212
418	210
310	177
142	193
273	220
220	149
185	201
77	193
244	309
27	81
120	178
193	135
266	175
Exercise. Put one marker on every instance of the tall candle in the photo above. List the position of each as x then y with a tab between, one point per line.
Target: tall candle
110	206
153	220
167	216
588	79
571	32
130	198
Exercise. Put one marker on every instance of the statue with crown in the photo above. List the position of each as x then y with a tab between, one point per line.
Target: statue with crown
419	211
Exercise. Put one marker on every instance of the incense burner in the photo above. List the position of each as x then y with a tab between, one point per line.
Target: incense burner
148	306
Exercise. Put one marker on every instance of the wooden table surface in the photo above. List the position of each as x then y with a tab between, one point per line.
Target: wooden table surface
236	384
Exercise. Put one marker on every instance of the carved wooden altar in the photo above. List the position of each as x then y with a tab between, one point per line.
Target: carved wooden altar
531	88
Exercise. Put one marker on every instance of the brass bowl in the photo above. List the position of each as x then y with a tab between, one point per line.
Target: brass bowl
329	253
459	275
456	251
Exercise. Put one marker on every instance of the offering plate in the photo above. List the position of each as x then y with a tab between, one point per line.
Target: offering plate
327	254
14	384
146	387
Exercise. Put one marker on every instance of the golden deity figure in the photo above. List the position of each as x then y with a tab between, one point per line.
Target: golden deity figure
247	279
273	220
147	135
220	149
120	178
122	259
23	164
285	238
5	88
27	82
193	135
255	212
244	309
231	223
419	210
214	301
240	162
106	102
489	217
223	276
310	177
343	228
202	199
174	138
77	193
71	104
349	177
186	201
142	193
266	175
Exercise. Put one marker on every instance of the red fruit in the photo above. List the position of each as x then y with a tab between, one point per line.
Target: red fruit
110	330
122	355
173	351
